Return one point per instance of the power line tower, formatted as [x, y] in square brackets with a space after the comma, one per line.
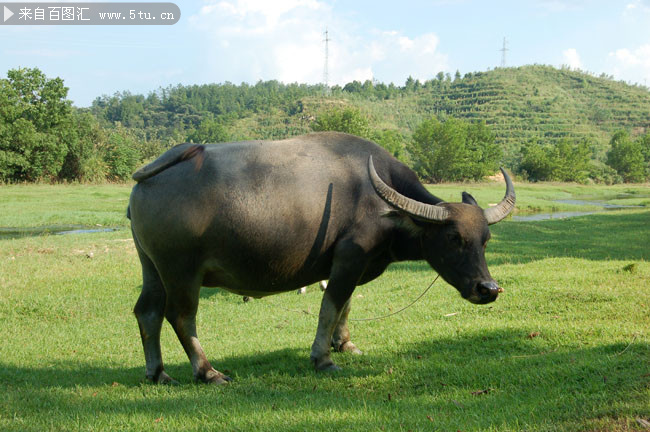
[503, 53]
[326, 68]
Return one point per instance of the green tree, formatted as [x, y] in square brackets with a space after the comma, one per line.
[120, 154]
[536, 163]
[391, 140]
[410, 84]
[34, 113]
[85, 140]
[566, 161]
[439, 149]
[627, 158]
[644, 142]
[453, 150]
[348, 120]
[353, 87]
[571, 161]
[209, 131]
[484, 153]
[40, 100]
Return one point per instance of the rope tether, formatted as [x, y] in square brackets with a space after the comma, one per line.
[373, 318]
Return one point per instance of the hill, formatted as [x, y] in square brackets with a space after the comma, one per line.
[520, 104]
[541, 102]
[544, 123]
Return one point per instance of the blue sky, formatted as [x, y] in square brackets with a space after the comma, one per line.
[251, 40]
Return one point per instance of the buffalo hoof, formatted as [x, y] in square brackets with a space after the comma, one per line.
[163, 379]
[325, 364]
[349, 347]
[331, 367]
[213, 376]
[223, 379]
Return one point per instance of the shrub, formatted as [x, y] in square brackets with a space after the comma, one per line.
[567, 161]
[120, 154]
[391, 140]
[348, 120]
[209, 131]
[84, 138]
[627, 157]
[453, 150]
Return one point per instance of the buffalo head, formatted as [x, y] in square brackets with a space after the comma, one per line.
[453, 236]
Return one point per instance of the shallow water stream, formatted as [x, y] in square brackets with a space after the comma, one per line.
[603, 203]
[553, 215]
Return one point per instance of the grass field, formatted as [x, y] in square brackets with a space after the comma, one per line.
[566, 347]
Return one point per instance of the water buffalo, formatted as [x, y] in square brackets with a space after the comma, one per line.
[258, 218]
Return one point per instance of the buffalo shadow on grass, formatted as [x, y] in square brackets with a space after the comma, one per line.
[433, 378]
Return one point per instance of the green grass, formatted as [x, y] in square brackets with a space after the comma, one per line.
[105, 205]
[541, 197]
[566, 347]
[46, 205]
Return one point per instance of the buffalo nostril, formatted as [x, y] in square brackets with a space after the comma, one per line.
[489, 289]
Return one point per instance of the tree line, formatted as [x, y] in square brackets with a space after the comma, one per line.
[44, 138]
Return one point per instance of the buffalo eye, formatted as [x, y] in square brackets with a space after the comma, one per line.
[487, 239]
[455, 238]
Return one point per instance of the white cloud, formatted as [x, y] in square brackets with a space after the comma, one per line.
[255, 40]
[418, 57]
[635, 7]
[256, 17]
[572, 58]
[632, 64]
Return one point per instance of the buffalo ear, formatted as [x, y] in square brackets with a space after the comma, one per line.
[406, 222]
[468, 199]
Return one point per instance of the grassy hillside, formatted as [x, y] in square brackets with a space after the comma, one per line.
[547, 103]
[520, 104]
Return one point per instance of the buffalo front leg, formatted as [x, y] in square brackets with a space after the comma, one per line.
[182, 305]
[332, 319]
[328, 317]
[341, 339]
[149, 310]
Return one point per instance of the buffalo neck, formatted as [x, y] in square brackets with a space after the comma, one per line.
[406, 246]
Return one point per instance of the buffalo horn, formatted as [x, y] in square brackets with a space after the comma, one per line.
[423, 211]
[501, 210]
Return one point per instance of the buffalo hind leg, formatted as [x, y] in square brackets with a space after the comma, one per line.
[149, 310]
[182, 305]
[341, 339]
